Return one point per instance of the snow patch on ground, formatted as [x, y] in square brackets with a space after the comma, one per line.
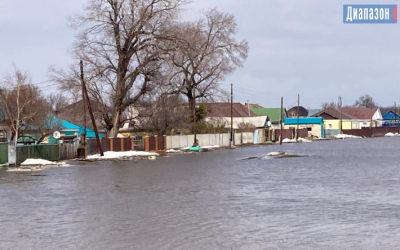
[117, 155]
[171, 151]
[294, 140]
[392, 135]
[343, 136]
[41, 162]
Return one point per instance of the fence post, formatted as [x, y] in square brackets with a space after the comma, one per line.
[146, 144]
[156, 141]
[165, 142]
[111, 144]
[132, 144]
[122, 144]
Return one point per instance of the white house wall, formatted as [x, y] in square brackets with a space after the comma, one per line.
[258, 121]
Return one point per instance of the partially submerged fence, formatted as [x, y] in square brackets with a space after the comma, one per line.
[183, 141]
[48, 152]
[3, 153]
[372, 132]
[68, 151]
[289, 134]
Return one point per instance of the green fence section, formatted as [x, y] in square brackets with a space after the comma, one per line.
[46, 152]
[3, 153]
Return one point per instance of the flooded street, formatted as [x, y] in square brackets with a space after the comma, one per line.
[341, 195]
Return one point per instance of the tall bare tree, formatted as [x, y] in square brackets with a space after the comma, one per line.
[118, 41]
[365, 101]
[203, 54]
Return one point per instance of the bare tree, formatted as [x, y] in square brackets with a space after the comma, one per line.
[118, 41]
[165, 113]
[365, 101]
[24, 105]
[331, 104]
[203, 54]
[57, 102]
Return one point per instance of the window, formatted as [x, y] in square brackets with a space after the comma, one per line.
[330, 126]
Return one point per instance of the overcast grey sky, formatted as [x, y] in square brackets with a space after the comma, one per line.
[296, 47]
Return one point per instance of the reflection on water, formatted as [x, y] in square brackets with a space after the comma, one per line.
[343, 195]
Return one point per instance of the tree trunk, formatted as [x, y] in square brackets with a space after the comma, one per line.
[115, 125]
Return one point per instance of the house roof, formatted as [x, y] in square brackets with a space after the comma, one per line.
[334, 113]
[274, 114]
[390, 115]
[360, 113]
[223, 109]
[302, 111]
[253, 105]
[304, 120]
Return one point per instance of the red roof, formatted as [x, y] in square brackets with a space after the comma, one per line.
[360, 113]
[223, 109]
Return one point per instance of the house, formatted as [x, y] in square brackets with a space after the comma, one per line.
[331, 118]
[367, 117]
[74, 113]
[273, 115]
[390, 118]
[314, 125]
[219, 113]
[303, 112]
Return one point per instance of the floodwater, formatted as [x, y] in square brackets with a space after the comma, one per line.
[341, 195]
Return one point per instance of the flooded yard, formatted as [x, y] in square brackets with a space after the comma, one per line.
[342, 194]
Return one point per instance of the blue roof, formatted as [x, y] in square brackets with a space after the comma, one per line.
[69, 125]
[390, 116]
[304, 120]
[89, 132]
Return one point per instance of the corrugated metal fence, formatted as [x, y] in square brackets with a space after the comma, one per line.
[43, 151]
[3, 153]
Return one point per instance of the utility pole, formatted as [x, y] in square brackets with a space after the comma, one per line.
[194, 116]
[280, 137]
[395, 115]
[231, 141]
[298, 116]
[341, 120]
[83, 137]
[91, 114]
[248, 107]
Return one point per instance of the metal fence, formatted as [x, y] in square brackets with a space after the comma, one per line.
[3, 153]
[43, 151]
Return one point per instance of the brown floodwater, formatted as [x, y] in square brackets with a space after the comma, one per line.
[341, 195]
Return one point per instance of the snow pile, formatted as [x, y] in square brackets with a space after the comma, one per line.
[171, 151]
[211, 147]
[41, 162]
[294, 140]
[392, 135]
[276, 153]
[116, 155]
[343, 136]
[304, 140]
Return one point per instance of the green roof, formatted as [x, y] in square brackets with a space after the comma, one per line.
[274, 114]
